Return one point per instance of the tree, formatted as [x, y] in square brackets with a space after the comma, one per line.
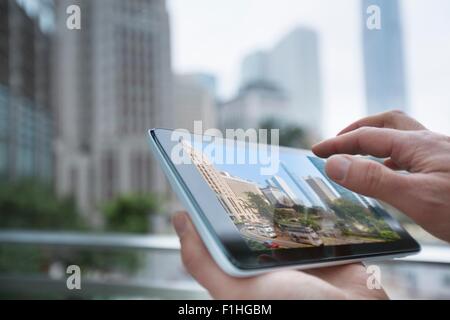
[257, 202]
[30, 204]
[130, 213]
[291, 135]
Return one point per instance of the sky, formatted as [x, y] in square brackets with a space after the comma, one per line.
[214, 36]
[297, 163]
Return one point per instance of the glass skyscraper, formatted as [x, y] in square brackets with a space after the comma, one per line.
[343, 192]
[26, 127]
[384, 64]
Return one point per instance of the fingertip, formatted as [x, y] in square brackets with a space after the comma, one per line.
[337, 167]
[319, 149]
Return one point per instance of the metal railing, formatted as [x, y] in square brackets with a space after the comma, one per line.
[29, 285]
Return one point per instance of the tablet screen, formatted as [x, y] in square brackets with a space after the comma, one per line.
[293, 205]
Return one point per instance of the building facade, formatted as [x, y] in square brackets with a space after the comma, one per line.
[194, 98]
[384, 61]
[280, 183]
[343, 192]
[277, 197]
[113, 83]
[256, 103]
[304, 189]
[293, 66]
[323, 191]
[26, 122]
[230, 191]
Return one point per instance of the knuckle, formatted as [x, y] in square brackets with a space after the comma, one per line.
[363, 131]
[393, 116]
[373, 177]
[396, 113]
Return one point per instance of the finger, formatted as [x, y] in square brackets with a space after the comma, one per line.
[369, 178]
[391, 164]
[378, 142]
[392, 119]
[196, 258]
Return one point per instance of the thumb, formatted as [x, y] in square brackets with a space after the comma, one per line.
[367, 177]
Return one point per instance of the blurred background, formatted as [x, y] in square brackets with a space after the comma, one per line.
[78, 184]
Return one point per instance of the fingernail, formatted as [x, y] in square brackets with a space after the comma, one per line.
[337, 167]
[179, 223]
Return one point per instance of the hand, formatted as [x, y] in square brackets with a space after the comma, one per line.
[341, 282]
[424, 194]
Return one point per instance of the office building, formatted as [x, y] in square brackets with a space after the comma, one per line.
[280, 183]
[277, 197]
[26, 127]
[384, 59]
[222, 184]
[255, 104]
[194, 98]
[338, 189]
[323, 191]
[293, 67]
[306, 193]
[114, 82]
[244, 190]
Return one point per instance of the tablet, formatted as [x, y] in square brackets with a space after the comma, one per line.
[259, 207]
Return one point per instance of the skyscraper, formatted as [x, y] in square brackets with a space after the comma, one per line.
[305, 190]
[384, 63]
[229, 191]
[293, 66]
[113, 83]
[280, 183]
[255, 104]
[343, 192]
[26, 127]
[194, 99]
[321, 189]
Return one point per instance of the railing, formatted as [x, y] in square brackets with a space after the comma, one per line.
[148, 284]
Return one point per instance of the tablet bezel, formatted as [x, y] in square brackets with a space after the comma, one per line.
[235, 248]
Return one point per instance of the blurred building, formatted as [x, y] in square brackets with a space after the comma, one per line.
[113, 83]
[319, 186]
[195, 99]
[26, 128]
[280, 183]
[255, 103]
[277, 197]
[304, 189]
[340, 190]
[293, 67]
[384, 63]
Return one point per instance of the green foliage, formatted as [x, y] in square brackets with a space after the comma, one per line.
[257, 202]
[28, 204]
[300, 209]
[130, 213]
[352, 214]
[291, 135]
[308, 222]
[283, 214]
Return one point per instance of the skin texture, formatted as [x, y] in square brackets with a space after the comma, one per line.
[424, 195]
